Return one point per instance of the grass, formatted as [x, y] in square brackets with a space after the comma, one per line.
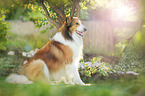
[122, 87]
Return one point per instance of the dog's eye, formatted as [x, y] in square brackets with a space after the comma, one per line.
[77, 23]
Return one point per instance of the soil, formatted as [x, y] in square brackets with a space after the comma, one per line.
[109, 59]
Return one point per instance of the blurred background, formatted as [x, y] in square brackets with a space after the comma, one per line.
[115, 33]
[114, 45]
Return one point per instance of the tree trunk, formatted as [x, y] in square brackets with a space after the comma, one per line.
[48, 15]
[59, 10]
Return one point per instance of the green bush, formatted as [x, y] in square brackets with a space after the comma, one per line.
[3, 30]
[19, 43]
[95, 67]
[10, 64]
[131, 60]
[26, 42]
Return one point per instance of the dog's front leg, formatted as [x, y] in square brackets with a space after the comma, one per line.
[77, 78]
[72, 75]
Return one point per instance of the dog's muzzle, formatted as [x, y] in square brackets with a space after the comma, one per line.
[81, 33]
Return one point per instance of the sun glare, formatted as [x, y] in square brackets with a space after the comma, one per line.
[123, 12]
[121, 9]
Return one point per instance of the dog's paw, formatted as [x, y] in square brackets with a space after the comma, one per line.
[87, 84]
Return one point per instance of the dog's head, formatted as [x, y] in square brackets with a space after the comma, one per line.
[72, 26]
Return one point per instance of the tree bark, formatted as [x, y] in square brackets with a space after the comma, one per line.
[59, 10]
[48, 15]
[78, 9]
[75, 6]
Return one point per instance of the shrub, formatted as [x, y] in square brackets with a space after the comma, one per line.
[10, 64]
[3, 30]
[95, 67]
[131, 60]
[26, 42]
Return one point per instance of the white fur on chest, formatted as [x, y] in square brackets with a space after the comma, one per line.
[76, 44]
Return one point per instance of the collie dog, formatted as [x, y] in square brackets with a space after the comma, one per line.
[58, 60]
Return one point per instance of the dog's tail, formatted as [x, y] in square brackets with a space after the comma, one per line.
[18, 79]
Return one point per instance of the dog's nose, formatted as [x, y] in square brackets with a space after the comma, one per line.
[85, 29]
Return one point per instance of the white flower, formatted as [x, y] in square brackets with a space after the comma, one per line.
[24, 53]
[36, 50]
[30, 54]
[25, 62]
[119, 72]
[131, 72]
[11, 53]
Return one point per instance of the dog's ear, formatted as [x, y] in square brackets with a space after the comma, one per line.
[68, 21]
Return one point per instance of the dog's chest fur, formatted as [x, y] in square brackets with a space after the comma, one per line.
[76, 44]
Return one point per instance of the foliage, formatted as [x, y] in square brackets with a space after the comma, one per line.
[7, 3]
[3, 30]
[139, 40]
[142, 3]
[95, 67]
[119, 48]
[131, 60]
[41, 22]
[19, 42]
[53, 11]
[9, 64]
[16, 12]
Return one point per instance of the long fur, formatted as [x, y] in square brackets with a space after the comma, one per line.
[58, 60]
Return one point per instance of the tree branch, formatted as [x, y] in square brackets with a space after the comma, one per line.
[78, 8]
[59, 10]
[73, 9]
[75, 6]
[141, 22]
[48, 15]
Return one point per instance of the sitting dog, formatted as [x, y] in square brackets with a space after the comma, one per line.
[58, 60]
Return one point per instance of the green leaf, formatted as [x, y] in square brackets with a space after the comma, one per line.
[43, 31]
